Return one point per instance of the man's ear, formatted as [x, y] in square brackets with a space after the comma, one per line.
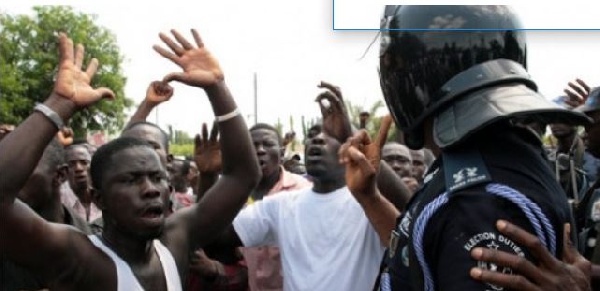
[61, 174]
[97, 198]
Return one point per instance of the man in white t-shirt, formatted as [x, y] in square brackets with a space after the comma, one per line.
[325, 239]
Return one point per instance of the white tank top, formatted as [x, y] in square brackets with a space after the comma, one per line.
[126, 281]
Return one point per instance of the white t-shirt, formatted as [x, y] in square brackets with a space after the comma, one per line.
[326, 241]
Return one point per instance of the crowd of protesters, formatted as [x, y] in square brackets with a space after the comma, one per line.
[238, 215]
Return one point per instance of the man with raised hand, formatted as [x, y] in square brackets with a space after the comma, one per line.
[139, 248]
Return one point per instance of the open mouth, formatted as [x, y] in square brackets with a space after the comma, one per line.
[314, 152]
[153, 212]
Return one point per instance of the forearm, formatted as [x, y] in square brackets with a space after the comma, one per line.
[141, 113]
[238, 156]
[205, 181]
[392, 187]
[21, 150]
[381, 213]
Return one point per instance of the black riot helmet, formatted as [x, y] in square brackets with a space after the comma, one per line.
[440, 58]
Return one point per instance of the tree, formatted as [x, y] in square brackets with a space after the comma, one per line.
[29, 60]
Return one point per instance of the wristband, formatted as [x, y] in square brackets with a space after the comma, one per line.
[50, 114]
[230, 115]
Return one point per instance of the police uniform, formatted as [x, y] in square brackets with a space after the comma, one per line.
[471, 88]
[468, 219]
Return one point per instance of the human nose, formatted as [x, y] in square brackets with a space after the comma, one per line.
[149, 188]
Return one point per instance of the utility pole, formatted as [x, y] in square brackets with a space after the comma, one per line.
[255, 98]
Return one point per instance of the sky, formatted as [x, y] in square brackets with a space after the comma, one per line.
[291, 46]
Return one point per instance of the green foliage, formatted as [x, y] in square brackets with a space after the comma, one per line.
[186, 150]
[29, 61]
[181, 137]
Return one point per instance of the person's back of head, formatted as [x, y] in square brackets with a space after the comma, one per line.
[438, 56]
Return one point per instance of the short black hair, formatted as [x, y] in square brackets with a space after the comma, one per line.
[102, 158]
[268, 127]
[164, 136]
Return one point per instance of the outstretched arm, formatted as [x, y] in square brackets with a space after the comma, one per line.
[336, 122]
[206, 219]
[362, 158]
[25, 237]
[157, 92]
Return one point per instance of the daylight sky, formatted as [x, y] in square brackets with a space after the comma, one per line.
[291, 46]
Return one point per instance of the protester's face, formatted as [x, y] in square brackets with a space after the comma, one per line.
[135, 193]
[177, 178]
[268, 150]
[321, 159]
[398, 157]
[153, 136]
[418, 163]
[78, 161]
[591, 137]
[561, 130]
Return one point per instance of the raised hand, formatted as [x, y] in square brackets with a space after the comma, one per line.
[335, 116]
[158, 92]
[207, 150]
[71, 81]
[288, 138]
[362, 158]
[200, 68]
[577, 92]
[65, 136]
[573, 273]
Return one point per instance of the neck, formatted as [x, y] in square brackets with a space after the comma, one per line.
[324, 186]
[133, 250]
[266, 183]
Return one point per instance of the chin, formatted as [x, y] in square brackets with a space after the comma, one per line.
[150, 233]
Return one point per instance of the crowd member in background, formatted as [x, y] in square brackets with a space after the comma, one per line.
[138, 248]
[179, 180]
[42, 193]
[78, 158]
[325, 240]
[460, 102]
[214, 267]
[399, 158]
[264, 263]
[419, 166]
[567, 159]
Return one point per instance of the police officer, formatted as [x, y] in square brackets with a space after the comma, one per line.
[463, 93]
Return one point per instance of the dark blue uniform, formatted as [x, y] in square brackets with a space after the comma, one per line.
[505, 156]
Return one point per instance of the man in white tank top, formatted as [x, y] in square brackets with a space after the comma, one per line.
[139, 248]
